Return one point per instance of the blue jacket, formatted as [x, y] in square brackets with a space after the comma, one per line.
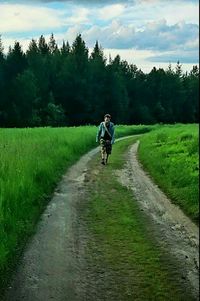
[101, 132]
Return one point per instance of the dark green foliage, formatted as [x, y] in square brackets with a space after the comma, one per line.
[84, 87]
[54, 113]
[24, 97]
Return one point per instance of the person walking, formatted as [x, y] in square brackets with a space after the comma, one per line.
[105, 136]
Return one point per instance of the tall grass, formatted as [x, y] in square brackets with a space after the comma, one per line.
[31, 163]
[170, 154]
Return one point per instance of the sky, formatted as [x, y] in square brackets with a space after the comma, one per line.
[146, 33]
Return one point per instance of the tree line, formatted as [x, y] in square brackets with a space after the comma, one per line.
[65, 86]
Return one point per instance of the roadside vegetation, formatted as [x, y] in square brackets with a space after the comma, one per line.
[31, 163]
[123, 256]
[171, 156]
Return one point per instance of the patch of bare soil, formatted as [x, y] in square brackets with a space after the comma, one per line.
[175, 232]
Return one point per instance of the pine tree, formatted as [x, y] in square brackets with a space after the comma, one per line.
[65, 49]
[97, 53]
[53, 48]
[97, 81]
[16, 61]
[24, 94]
[38, 64]
[190, 107]
[33, 56]
[79, 66]
[42, 45]
[179, 71]
[80, 53]
[117, 95]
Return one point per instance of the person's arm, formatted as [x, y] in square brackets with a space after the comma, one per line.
[113, 135]
[98, 132]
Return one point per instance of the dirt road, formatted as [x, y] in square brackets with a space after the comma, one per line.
[173, 228]
[52, 268]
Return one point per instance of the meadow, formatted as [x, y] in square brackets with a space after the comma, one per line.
[32, 160]
[171, 156]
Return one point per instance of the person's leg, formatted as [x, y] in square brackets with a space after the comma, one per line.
[108, 150]
[107, 158]
[103, 151]
[103, 154]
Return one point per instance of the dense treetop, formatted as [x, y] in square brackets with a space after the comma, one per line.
[64, 86]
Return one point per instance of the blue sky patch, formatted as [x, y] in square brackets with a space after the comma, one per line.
[161, 30]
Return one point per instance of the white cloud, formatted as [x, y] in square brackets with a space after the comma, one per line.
[110, 11]
[24, 42]
[177, 11]
[161, 36]
[189, 57]
[24, 18]
[27, 18]
[71, 33]
[154, 35]
[79, 15]
[173, 12]
[114, 35]
[141, 58]
[192, 44]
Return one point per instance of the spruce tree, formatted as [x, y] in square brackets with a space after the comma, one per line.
[53, 48]
[97, 82]
[43, 46]
[16, 61]
[65, 49]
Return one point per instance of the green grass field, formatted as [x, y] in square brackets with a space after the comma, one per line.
[31, 163]
[171, 155]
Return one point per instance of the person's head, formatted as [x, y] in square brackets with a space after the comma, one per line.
[107, 118]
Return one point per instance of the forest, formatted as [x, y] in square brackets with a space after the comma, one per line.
[66, 86]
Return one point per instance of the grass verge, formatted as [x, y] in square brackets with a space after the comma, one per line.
[171, 155]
